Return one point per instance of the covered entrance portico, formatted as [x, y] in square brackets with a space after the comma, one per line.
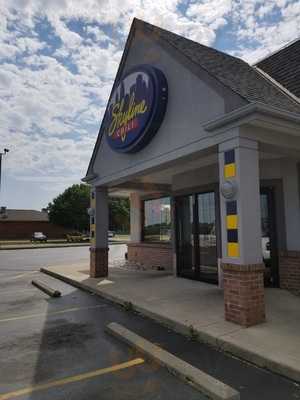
[233, 209]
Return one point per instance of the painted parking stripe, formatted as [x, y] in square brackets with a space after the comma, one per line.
[72, 379]
[51, 313]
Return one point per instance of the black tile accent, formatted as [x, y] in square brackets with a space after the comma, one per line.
[232, 236]
[231, 207]
[229, 157]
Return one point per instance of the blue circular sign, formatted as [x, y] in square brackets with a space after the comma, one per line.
[136, 109]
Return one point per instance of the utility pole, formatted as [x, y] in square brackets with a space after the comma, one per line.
[5, 151]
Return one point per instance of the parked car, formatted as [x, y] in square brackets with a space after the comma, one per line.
[111, 234]
[39, 237]
[77, 237]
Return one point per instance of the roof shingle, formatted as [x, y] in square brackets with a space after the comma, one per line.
[230, 71]
[284, 67]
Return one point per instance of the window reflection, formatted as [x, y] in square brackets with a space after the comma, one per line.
[157, 220]
[207, 232]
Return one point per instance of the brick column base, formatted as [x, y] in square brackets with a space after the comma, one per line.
[289, 271]
[244, 294]
[98, 262]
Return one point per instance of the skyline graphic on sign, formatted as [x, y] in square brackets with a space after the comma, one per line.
[129, 110]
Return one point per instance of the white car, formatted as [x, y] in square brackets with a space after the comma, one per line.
[111, 234]
[39, 237]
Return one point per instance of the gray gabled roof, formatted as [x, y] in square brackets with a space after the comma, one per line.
[231, 71]
[284, 66]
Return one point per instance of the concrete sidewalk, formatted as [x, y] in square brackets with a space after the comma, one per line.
[182, 304]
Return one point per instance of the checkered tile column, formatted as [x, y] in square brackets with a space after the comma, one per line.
[241, 232]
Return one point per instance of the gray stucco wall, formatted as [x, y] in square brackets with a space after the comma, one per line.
[191, 103]
[286, 170]
[196, 178]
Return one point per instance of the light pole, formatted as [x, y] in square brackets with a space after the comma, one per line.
[5, 151]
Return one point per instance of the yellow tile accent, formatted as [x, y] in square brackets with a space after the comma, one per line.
[233, 250]
[232, 221]
[229, 170]
[71, 379]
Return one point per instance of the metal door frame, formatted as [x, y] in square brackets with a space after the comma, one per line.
[195, 230]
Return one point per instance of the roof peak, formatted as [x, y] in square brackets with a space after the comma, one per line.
[156, 27]
[233, 72]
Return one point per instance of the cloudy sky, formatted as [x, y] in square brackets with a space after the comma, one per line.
[58, 60]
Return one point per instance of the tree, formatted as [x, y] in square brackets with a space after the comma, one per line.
[69, 209]
[119, 214]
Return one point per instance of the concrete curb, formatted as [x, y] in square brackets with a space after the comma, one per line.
[224, 345]
[46, 289]
[205, 383]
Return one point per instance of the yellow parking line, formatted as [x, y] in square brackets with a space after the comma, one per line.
[71, 379]
[51, 313]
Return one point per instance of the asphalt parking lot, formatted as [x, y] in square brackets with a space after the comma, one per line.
[56, 348]
[56, 342]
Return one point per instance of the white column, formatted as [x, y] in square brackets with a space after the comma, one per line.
[291, 204]
[241, 232]
[101, 218]
[99, 242]
[135, 218]
[243, 176]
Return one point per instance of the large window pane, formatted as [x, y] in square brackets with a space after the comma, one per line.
[157, 220]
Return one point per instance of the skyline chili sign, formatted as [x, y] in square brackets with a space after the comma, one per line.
[136, 109]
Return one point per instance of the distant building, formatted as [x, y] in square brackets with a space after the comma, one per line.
[21, 224]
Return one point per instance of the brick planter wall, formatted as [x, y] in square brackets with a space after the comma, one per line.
[151, 255]
[289, 271]
[98, 262]
[244, 294]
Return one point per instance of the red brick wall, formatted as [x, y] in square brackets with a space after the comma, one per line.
[98, 262]
[151, 255]
[244, 294]
[289, 271]
[14, 230]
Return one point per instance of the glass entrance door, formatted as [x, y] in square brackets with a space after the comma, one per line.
[208, 260]
[185, 207]
[268, 240]
[196, 237]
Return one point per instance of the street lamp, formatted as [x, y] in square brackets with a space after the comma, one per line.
[5, 151]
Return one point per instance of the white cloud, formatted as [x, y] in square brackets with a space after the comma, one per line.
[55, 81]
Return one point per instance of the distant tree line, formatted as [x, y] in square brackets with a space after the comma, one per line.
[69, 209]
